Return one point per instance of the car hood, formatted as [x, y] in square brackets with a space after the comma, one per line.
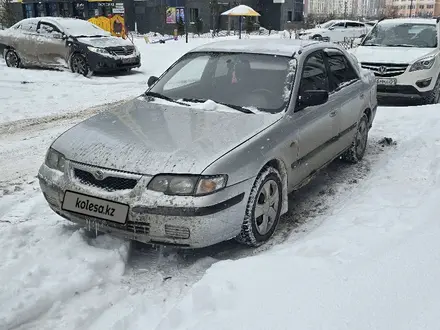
[313, 31]
[103, 42]
[396, 55]
[149, 138]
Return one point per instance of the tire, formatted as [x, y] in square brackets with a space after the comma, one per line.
[359, 145]
[317, 37]
[12, 59]
[255, 230]
[433, 97]
[78, 64]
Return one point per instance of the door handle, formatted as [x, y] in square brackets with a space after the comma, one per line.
[333, 113]
[362, 96]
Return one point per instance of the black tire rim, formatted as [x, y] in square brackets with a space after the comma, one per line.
[79, 65]
[361, 138]
[12, 59]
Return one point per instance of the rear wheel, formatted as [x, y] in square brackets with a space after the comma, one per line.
[359, 145]
[263, 209]
[12, 59]
[78, 64]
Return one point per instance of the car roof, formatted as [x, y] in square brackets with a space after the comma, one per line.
[267, 46]
[403, 20]
[51, 19]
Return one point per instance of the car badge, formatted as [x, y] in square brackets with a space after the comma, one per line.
[382, 69]
[99, 175]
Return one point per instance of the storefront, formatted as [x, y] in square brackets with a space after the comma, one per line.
[65, 8]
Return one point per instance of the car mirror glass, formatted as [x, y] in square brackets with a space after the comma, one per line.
[152, 80]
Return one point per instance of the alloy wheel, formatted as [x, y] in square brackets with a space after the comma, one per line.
[266, 207]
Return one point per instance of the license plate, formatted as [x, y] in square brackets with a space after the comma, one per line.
[129, 60]
[95, 207]
[386, 81]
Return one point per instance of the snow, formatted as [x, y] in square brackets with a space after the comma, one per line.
[358, 248]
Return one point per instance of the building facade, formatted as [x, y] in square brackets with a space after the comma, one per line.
[149, 15]
[66, 8]
[413, 8]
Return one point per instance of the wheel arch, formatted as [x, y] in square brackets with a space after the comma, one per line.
[282, 169]
[369, 114]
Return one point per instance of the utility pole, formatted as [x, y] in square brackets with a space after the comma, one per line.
[185, 14]
[410, 8]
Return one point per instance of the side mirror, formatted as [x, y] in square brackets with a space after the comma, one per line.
[331, 28]
[57, 35]
[313, 97]
[152, 80]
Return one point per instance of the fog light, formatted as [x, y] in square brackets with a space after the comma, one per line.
[423, 83]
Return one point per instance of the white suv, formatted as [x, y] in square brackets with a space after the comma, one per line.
[404, 53]
[336, 31]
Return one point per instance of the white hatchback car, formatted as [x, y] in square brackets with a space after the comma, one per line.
[404, 55]
[336, 31]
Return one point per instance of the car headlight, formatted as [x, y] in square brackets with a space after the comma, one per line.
[187, 185]
[55, 160]
[423, 64]
[97, 50]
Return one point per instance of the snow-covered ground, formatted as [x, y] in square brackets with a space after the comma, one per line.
[357, 250]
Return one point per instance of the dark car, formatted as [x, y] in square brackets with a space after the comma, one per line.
[59, 43]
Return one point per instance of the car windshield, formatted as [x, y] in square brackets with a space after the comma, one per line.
[261, 82]
[395, 34]
[79, 27]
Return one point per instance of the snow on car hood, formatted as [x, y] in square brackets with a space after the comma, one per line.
[396, 55]
[313, 31]
[103, 42]
[149, 138]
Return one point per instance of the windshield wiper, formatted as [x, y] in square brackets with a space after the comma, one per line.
[374, 45]
[91, 36]
[232, 106]
[163, 97]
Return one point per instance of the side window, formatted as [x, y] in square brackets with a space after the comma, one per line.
[340, 25]
[29, 26]
[354, 25]
[190, 73]
[47, 29]
[342, 73]
[314, 76]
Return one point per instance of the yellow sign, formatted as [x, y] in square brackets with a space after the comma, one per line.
[115, 25]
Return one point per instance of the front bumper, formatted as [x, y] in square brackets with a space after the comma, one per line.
[105, 63]
[153, 218]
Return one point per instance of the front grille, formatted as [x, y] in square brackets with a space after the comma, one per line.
[177, 231]
[110, 183]
[385, 69]
[135, 227]
[121, 51]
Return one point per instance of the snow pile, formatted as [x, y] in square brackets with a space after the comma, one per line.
[372, 264]
[46, 260]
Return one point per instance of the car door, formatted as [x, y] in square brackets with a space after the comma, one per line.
[317, 126]
[355, 30]
[25, 41]
[337, 32]
[52, 50]
[346, 90]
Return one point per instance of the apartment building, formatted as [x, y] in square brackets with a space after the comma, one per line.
[414, 8]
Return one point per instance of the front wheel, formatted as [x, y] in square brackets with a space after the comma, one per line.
[263, 209]
[11, 58]
[433, 97]
[359, 145]
[78, 64]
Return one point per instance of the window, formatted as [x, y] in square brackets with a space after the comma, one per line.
[314, 75]
[289, 16]
[340, 25]
[29, 25]
[191, 72]
[29, 10]
[47, 29]
[355, 25]
[193, 14]
[342, 72]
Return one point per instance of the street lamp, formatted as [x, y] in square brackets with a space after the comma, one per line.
[410, 8]
[345, 9]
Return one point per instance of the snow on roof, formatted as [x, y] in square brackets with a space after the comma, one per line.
[406, 20]
[281, 47]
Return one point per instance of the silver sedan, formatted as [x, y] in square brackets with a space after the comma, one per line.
[211, 150]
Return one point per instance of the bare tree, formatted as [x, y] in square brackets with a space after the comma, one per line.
[391, 11]
[7, 16]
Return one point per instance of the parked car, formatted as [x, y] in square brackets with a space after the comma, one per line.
[213, 147]
[336, 31]
[60, 43]
[403, 53]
